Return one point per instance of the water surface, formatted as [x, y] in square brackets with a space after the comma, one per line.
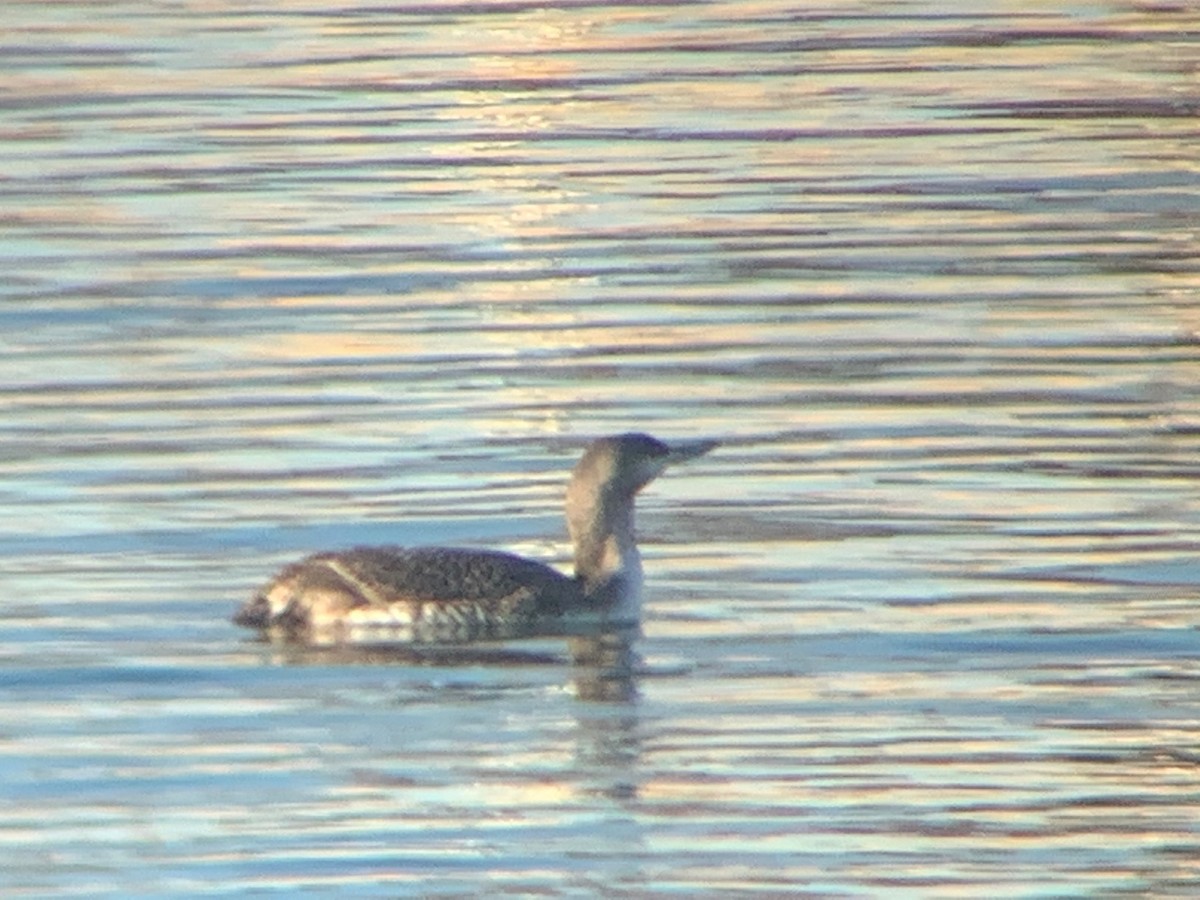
[301, 277]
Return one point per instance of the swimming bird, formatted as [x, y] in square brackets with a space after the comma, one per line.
[449, 594]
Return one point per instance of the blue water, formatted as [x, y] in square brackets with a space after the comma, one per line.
[303, 277]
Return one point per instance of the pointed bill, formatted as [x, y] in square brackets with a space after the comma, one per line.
[681, 451]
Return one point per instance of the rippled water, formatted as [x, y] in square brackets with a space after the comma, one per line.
[303, 276]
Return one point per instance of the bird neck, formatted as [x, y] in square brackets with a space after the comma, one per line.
[607, 562]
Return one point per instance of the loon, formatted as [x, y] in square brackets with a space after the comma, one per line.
[449, 594]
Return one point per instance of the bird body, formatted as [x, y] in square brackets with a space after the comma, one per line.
[445, 594]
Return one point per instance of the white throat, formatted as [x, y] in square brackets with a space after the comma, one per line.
[606, 556]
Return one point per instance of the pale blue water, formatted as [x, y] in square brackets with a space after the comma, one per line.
[303, 277]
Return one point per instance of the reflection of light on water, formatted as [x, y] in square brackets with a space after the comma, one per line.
[288, 279]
